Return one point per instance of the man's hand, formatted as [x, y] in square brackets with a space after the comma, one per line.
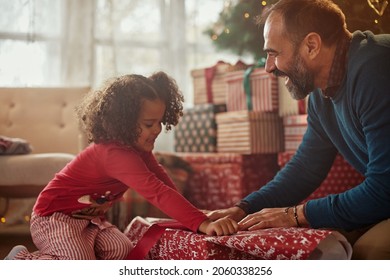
[273, 217]
[223, 226]
[235, 213]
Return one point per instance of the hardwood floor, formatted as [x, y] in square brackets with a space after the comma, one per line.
[18, 235]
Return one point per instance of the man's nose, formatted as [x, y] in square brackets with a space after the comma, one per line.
[270, 64]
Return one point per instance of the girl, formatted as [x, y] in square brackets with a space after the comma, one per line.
[122, 121]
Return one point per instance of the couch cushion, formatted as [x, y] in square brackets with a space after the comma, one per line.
[45, 117]
[26, 175]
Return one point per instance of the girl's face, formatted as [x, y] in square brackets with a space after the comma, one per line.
[151, 115]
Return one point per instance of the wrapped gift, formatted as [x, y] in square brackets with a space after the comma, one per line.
[294, 128]
[197, 129]
[341, 177]
[209, 84]
[253, 89]
[287, 105]
[219, 180]
[249, 132]
[166, 240]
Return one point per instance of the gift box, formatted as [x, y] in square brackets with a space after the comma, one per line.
[156, 239]
[341, 177]
[209, 84]
[197, 129]
[249, 132]
[219, 180]
[253, 90]
[294, 128]
[288, 106]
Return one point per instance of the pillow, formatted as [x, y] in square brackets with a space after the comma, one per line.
[14, 146]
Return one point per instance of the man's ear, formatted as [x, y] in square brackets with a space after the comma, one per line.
[312, 44]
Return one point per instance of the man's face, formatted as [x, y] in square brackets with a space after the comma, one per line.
[284, 59]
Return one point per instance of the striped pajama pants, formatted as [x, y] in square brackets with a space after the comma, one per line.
[61, 237]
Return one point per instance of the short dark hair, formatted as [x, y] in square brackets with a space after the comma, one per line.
[304, 16]
[111, 112]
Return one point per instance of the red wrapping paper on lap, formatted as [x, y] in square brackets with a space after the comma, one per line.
[274, 243]
[180, 244]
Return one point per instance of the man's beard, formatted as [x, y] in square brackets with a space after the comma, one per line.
[301, 81]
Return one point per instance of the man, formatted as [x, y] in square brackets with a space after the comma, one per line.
[347, 78]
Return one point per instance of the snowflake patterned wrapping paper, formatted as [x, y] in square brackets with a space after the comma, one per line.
[196, 131]
[219, 180]
[267, 244]
[341, 177]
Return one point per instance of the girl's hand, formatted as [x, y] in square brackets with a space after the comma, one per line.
[223, 226]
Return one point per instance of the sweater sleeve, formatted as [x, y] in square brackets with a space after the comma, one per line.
[369, 103]
[128, 167]
[301, 175]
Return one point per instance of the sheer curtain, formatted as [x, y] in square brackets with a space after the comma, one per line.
[77, 42]
[73, 42]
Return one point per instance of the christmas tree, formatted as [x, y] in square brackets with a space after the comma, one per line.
[236, 29]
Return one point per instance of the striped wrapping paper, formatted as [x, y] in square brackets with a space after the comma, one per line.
[217, 90]
[263, 93]
[249, 132]
[294, 129]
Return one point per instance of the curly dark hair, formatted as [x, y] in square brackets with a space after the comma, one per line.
[111, 112]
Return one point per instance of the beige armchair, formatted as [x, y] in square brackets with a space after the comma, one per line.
[45, 117]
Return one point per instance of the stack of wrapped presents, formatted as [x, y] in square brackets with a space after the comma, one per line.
[243, 127]
[341, 177]
[236, 112]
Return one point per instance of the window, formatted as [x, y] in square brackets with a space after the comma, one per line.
[78, 43]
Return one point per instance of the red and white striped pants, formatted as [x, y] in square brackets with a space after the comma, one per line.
[62, 237]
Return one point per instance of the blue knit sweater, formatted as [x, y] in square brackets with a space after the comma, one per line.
[355, 123]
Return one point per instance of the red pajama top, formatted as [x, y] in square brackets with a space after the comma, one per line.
[100, 175]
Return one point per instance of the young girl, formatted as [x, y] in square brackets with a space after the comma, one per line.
[122, 121]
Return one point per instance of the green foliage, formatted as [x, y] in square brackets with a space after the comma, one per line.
[236, 29]
[241, 35]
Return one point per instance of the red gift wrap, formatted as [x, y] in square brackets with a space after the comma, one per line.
[209, 84]
[179, 244]
[219, 180]
[341, 177]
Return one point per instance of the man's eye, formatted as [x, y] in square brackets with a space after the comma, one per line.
[148, 125]
[271, 54]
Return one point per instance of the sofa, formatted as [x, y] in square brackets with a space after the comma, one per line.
[44, 121]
